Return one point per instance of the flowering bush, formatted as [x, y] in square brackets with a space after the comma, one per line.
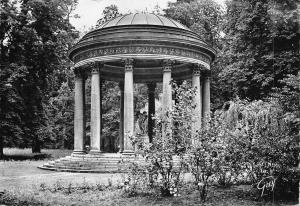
[208, 158]
[163, 159]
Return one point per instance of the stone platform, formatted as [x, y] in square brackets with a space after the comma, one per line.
[96, 163]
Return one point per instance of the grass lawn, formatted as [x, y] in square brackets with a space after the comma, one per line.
[20, 171]
[22, 183]
[26, 154]
[112, 195]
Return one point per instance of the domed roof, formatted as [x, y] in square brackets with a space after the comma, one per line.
[143, 19]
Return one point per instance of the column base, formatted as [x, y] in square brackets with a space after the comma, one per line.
[96, 151]
[79, 152]
[128, 152]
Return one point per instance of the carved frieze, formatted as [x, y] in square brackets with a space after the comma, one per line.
[140, 50]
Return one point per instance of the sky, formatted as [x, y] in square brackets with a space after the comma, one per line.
[90, 10]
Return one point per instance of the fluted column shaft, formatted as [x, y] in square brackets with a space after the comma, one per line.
[101, 114]
[206, 96]
[197, 99]
[128, 106]
[167, 87]
[79, 112]
[95, 109]
[121, 129]
[167, 97]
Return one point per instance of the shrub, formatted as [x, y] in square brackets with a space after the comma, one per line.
[163, 159]
[244, 140]
[265, 141]
[208, 157]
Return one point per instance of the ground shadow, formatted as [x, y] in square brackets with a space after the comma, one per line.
[22, 157]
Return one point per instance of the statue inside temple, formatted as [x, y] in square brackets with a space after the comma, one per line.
[141, 124]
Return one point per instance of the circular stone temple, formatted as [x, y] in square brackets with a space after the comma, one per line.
[133, 48]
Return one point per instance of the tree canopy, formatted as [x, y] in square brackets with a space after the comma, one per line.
[261, 47]
[35, 38]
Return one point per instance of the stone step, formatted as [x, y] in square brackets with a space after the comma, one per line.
[84, 163]
[104, 162]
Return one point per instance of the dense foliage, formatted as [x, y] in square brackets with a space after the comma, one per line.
[109, 13]
[242, 142]
[261, 47]
[35, 38]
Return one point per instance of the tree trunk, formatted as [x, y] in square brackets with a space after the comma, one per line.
[36, 146]
[1, 147]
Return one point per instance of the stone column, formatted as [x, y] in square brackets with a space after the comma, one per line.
[167, 87]
[128, 106]
[167, 96]
[101, 118]
[206, 95]
[151, 109]
[79, 111]
[121, 130]
[197, 99]
[95, 109]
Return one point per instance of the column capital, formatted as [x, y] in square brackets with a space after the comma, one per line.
[197, 69]
[167, 65]
[207, 74]
[95, 67]
[80, 72]
[202, 67]
[128, 64]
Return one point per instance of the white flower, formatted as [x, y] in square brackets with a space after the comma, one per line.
[200, 184]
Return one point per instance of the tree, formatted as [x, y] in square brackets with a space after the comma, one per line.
[206, 19]
[261, 46]
[203, 17]
[34, 45]
[60, 112]
[10, 106]
[109, 12]
[110, 116]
